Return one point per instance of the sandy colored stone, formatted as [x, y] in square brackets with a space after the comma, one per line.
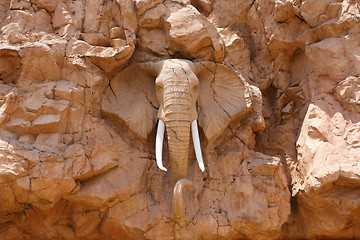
[201, 31]
[47, 141]
[87, 224]
[11, 169]
[324, 140]
[154, 16]
[44, 58]
[162, 230]
[348, 93]
[265, 183]
[144, 5]
[112, 184]
[107, 58]
[22, 21]
[313, 15]
[11, 232]
[283, 10]
[9, 60]
[91, 21]
[51, 180]
[77, 143]
[96, 39]
[233, 45]
[117, 32]
[62, 16]
[46, 123]
[320, 53]
[137, 212]
[129, 17]
[204, 227]
[67, 90]
[100, 191]
[103, 156]
[18, 125]
[113, 230]
[81, 167]
[47, 4]
[229, 13]
[118, 42]
[32, 157]
[200, 41]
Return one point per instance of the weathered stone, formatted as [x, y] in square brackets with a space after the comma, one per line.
[49, 5]
[283, 10]
[322, 144]
[114, 185]
[81, 166]
[31, 157]
[87, 224]
[9, 62]
[46, 123]
[47, 141]
[96, 39]
[117, 32]
[20, 5]
[162, 230]
[70, 167]
[118, 42]
[36, 69]
[348, 93]
[11, 232]
[154, 17]
[11, 169]
[320, 53]
[107, 58]
[145, 5]
[62, 16]
[310, 13]
[154, 40]
[256, 181]
[230, 13]
[18, 125]
[233, 45]
[194, 40]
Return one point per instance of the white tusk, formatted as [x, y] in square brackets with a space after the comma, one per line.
[159, 144]
[196, 141]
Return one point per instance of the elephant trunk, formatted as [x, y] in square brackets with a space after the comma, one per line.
[179, 111]
[178, 200]
[178, 133]
[178, 116]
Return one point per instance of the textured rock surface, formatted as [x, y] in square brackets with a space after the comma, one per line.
[71, 170]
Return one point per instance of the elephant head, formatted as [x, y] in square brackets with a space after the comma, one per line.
[178, 94]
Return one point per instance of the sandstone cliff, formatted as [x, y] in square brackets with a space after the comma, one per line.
[277, 86]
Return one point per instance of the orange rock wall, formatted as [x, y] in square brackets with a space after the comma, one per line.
[287, 169]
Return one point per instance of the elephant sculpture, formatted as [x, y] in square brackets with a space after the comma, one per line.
[179, 95]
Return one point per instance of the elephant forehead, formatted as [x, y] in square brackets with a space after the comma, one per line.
[177, 61]
[186, 65]
[177, 71]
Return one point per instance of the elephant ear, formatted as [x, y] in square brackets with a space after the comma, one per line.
[130, 97]
[223, 97]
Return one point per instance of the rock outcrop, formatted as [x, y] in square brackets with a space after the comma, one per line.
[286, 166]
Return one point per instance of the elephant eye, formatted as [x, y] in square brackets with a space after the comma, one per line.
[159, 88]
[195, 88]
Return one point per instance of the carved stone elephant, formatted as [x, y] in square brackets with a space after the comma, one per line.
[177, 93]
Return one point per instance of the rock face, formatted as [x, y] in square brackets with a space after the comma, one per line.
[276, 92]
